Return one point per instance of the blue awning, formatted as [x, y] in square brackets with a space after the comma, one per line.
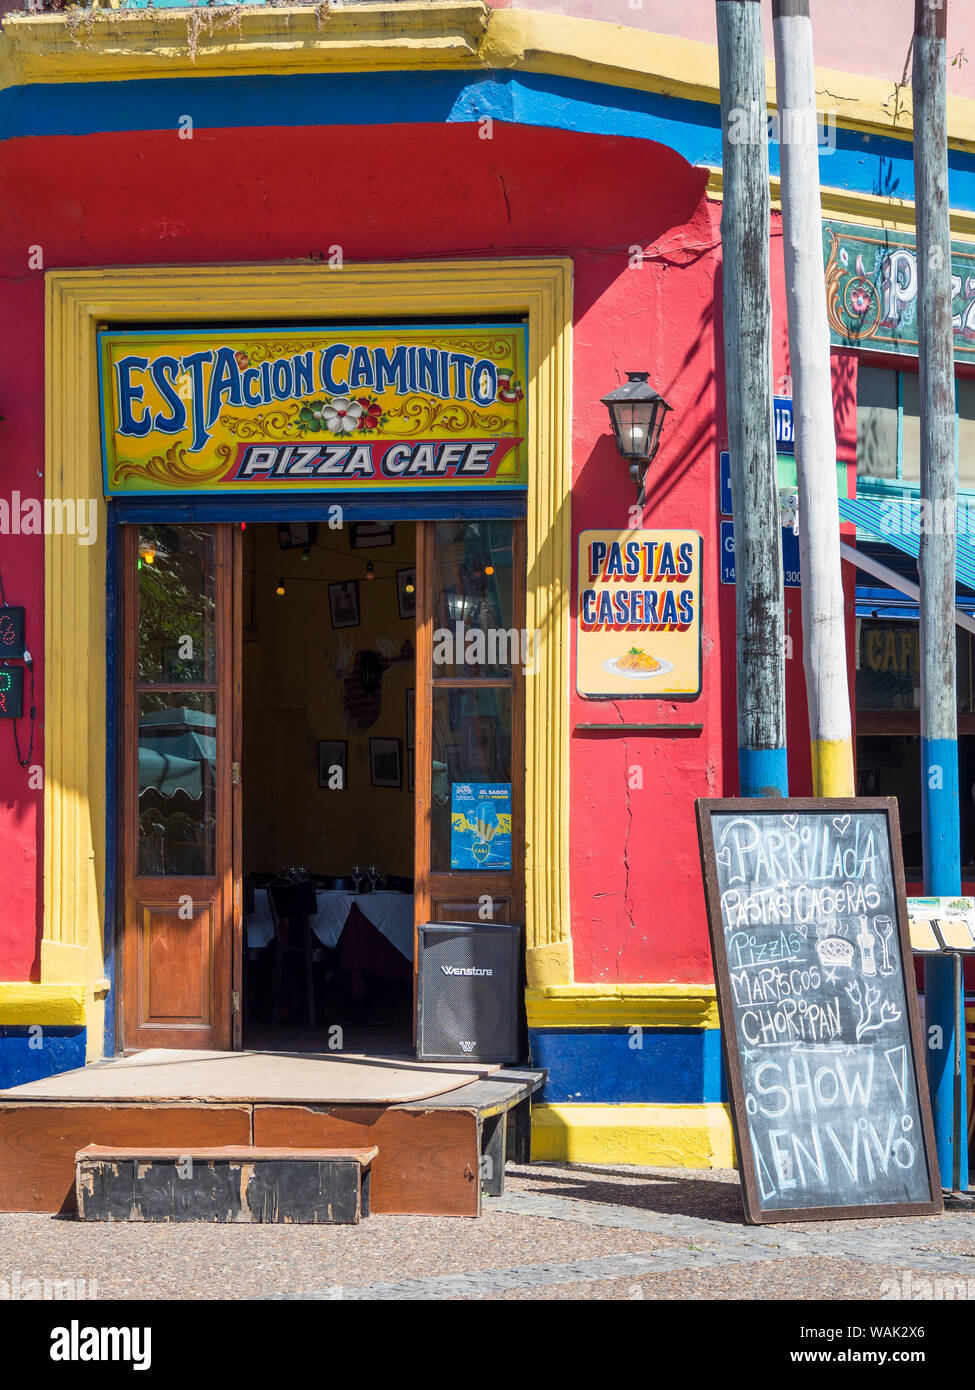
[897, 522]
[167, 776]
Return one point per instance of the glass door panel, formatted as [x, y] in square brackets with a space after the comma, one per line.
[180, 914]
[471, 660]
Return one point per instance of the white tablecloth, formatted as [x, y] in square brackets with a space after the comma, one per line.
[390, 913]
[259, 923]
[329, 921]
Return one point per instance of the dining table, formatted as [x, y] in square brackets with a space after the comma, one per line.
[389, 911]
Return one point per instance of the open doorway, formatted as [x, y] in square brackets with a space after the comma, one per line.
[328, 775]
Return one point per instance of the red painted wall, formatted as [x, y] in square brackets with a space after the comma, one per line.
[637, 904]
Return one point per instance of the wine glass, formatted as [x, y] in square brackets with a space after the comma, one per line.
[372, 875]
[884, 928]
[357, 876]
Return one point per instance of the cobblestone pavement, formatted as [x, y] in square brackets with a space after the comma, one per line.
[559, 1232]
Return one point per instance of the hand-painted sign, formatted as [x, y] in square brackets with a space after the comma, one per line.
[871, 290]
[480, 826]
[639, 614]
[304, 409]
[818, 1007]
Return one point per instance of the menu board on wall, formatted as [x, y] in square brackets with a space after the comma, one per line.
[638, 614]
[819, 1018]
[305, 409]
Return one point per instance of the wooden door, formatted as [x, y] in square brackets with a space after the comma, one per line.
[180, 933]
[470, 714]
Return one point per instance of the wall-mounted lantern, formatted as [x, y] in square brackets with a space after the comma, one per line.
[637, 413]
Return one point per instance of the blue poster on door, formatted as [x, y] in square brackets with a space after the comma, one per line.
[480, 826]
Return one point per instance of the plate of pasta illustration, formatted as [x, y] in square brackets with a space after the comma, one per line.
[638, 665]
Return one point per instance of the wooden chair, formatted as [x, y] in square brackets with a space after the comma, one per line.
[293, 904]
[255, 959]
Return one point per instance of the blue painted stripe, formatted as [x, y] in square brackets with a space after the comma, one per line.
[113, 706]
[30, 1054]
[394, 504]
[624, 1066]
[942, 877]
[763, 771]
[880, 165]
[940, 816]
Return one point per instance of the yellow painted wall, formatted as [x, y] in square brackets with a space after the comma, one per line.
[293, 697]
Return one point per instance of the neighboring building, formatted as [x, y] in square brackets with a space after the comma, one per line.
[275, 172]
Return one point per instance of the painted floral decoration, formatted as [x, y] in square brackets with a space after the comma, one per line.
[341, 415]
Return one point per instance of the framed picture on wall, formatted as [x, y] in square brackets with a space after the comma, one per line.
[386, 762]
[406, 592]
[333, 763]
[411, 769]
[370, 535]
[343, 604]
[411, 718]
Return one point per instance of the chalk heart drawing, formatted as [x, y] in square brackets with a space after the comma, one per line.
[842, 823]
[791, 821]
[723, 856]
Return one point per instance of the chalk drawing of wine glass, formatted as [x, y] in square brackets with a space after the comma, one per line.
[884, 928]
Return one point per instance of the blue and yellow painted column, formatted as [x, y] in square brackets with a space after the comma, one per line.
[634, 1076]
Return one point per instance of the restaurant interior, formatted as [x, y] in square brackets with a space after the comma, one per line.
[328, 773]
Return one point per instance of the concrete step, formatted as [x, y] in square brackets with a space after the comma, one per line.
[233, 1184]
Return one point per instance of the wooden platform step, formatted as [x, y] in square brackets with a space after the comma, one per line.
[435, 1158]
[232, 1183]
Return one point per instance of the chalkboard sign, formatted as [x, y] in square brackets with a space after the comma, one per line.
[818, 1008]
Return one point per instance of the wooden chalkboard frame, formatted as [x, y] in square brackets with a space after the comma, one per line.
[755, 1214]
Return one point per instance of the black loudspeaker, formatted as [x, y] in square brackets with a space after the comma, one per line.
[468, 977]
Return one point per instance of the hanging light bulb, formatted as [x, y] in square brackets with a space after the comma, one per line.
[147, 552]
[280, 589]
[370, 570]
[409, 586]
[488, 569]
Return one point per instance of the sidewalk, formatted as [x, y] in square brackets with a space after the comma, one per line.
[559, 1232]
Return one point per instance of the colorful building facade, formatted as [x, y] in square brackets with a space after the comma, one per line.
[166, 170]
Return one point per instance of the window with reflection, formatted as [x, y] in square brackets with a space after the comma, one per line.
[177, 733]
[177, 783]
[177, 598]
[888, 743]
[474, 612]
[471, 744]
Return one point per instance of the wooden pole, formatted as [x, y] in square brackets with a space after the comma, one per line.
[936, 561]
[823, 618]
[745, 228]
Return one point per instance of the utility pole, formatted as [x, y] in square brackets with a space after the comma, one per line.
[747, 306]
[936, 566]
[823, 619]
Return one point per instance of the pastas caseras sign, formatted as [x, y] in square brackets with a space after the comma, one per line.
[308, 409]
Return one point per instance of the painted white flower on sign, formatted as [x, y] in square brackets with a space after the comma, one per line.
[341, 415]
